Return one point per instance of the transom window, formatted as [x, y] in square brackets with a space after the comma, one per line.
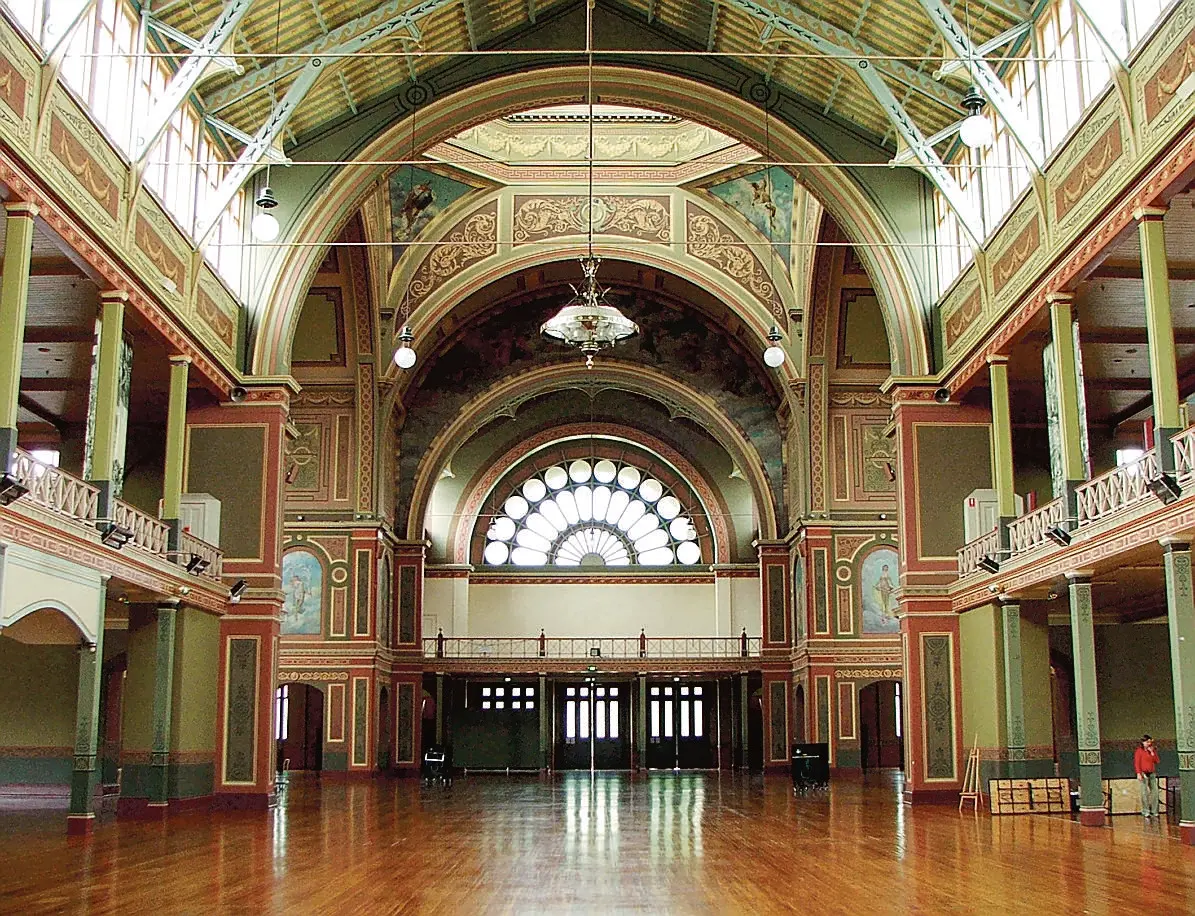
[592, 513]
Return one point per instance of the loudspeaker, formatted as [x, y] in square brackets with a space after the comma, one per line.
[942, 395]
[237, 394]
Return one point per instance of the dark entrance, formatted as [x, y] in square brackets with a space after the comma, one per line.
[881, 742]
[680, 725]
[300, 727]
[593, 726]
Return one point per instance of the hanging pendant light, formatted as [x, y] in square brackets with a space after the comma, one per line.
[405, 356]
[976, 129]
[587, 321]
[265, 224]
[773, 356]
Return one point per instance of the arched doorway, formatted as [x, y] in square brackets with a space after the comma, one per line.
[881, 731]
[299, 727]
[799, 714]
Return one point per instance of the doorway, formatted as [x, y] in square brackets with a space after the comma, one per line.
[593, 726]
[299, 727]
[680, 730]
[881, 732]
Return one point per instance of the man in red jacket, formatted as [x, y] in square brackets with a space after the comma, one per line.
[1145, 762]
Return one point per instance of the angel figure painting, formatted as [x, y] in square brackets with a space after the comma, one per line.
[303, 587]
[877, 583]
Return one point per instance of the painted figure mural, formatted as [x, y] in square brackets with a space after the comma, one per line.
[303, 586]
[416, 197]
[765, 198]
[877, 582]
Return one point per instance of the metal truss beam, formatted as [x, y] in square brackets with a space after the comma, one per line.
[204, 52]
[779, 16]
[712, 39]
[1006, 37]
[383, 22]
[989, 83]
[62, 27]
[390, 17]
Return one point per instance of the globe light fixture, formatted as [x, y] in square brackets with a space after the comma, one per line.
[265, 224]
[404, 356]
[773, 356]
[976, 129]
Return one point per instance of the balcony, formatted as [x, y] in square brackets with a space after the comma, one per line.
[578, 654]
[1117, 495]
[67, 498]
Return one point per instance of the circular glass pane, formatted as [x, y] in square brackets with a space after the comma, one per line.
[580, 471]
[604, 471]
[650, 541]
[525, 556]
[503, 529]
[651, 489]
[688, 553]
[668, 507]
[496, 553]
[556, 477]
[660, 557]
[534, 489]
[515, 506]
[682, 529]
[629, 477]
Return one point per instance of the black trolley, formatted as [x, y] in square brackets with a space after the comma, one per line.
[437, 766]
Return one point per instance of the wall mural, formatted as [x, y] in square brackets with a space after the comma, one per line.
[303, 588]
[417, 196]
[877, 582]
[765, 199]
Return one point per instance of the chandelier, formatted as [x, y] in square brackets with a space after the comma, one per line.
[587, 321]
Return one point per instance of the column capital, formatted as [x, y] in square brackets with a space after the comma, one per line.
[1079, 576]
[1061, 296]
[21, 208]
[180, 360]
[1008, 601]
[997, 359]
[1174, 545]
[114, 295]
[1150, 213]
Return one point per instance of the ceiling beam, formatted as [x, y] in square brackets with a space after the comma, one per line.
[364, 31]
[1013, 9]
[471, 27]
[1181, 271]
[58, 335]
[712, 38]
[982, 75]
[1008, 35]
[187, 77]
[31, 406]
[54, 384]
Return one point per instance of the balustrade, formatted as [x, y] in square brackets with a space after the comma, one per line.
[189, 546]
[53, 488]
[1120, 487]
[584, 647]
[149, 534]
[1029, 530]
[983, 546]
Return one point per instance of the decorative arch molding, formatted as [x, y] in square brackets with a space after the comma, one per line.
[505, 398]
[86, 628]
[286, 277]
[469, 509]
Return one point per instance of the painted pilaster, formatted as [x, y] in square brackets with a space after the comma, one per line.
[1159, 326]
[1014, 688]
[176, 436]
[545, 726]
[1180, 601]
[1070, 431]
[1002, 466]
[641, 725]
[1087, 712]
[85, 778]
[159, 759]
[14, 298]
[106, 450]
[744, 700]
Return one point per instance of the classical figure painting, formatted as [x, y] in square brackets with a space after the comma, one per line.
[766, 199]
[303, 586]
[416, 197]
[877, 582]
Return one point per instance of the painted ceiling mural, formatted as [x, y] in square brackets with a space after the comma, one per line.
[686, 345]
[765, 199]
[417, 196]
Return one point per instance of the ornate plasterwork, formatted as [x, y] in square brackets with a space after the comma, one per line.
[472, 239]
[711, 240]
[674, 142]
[549, 216]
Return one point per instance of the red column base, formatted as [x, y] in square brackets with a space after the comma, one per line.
[1092, 817]
[80, 824]
[1186, 832]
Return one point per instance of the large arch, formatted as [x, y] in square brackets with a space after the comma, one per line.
[504, 400]
[287, 275]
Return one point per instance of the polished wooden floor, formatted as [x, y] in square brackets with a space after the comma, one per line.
[684, 843]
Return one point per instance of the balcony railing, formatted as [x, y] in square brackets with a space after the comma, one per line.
[983, 546]
[1029, 530]
[1120, 487]
[149, 534]
[1184, 453]
[189, 546]
[53, 488]
[583, 647]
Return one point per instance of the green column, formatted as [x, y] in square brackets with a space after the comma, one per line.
[545, 726]
[641, 731]
[1014, 688]
[1087, 712]
[176, 429]
[744, 700]
[1002, 466]
[159, 758]
[14, 297]
[440, 709]
[1070, 431]
[1163, 366]
[85, 778]
[103, 452]
[1181, 607]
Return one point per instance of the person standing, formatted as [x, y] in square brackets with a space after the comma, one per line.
[1145, 762]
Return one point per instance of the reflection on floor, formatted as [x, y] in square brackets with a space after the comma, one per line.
[663, 843]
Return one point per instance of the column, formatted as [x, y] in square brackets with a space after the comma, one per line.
[1002, 465]
[14, 297]
[1163, 366]
[1014, 687]
[176, 431]
[85, 778]
[545, 726]
[744, 701]
[1070, 429]
[641, 725]
[159, 757]
[107, 392]
[440, 709]
[1181, 612]
[1087, 712]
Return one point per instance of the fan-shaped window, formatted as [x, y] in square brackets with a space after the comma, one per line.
[592, 513]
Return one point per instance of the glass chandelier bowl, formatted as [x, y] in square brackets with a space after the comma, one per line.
[587, 321]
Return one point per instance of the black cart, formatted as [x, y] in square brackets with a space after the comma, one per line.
[810, 767]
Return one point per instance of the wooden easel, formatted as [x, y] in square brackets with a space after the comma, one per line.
[971, 791]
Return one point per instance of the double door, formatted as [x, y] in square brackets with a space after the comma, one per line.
[593, 728]
[681, 724]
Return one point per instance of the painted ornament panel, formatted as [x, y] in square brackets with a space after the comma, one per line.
[417, 196]
[303, 587]
[765, 198]
[877, 582]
